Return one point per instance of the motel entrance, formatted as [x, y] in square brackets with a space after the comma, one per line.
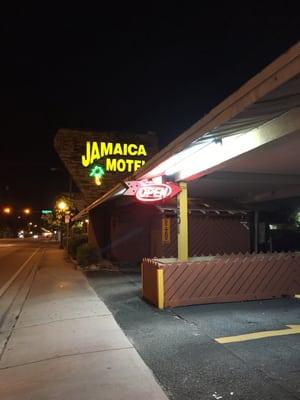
[265, 183]
[245, 150]
[237, 173]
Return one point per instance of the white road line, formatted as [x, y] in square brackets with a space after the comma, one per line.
[9, 282]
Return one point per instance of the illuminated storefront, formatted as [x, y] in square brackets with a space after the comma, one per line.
[243, 155]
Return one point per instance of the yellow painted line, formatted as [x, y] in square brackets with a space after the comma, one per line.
[160, 288]
[293, 330]
[10, 281]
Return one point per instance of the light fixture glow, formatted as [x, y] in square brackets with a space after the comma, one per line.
[198, 158]
[184, 157]
[217, 153]
[62, 205]
[172, 165]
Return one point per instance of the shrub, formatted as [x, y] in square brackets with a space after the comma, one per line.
[75, 242]
[86, 255]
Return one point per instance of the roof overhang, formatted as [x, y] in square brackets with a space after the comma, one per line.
[263, 111]
[257, 102]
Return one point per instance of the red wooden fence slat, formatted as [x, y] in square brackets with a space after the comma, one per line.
[225, 278]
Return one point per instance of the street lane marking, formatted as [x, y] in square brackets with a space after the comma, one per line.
[9, 282]
[293, 330]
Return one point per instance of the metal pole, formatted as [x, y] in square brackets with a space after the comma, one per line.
[61, 235]
[68, 233]
[70, 202]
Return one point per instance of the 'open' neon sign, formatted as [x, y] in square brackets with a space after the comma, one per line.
[153, 192]
[150, 192]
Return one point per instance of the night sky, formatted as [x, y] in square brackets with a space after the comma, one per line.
[120, 69]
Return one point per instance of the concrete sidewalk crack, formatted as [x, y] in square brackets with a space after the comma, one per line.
[65, 356]
[60, 320]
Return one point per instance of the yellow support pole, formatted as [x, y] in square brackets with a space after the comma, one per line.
[182, 223]
[142, 276]
[160, 289]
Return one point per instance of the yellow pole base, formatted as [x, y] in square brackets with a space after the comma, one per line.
[160, 289]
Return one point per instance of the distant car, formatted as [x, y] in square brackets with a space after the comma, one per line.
[47, 235]
[21, 236]
[35, 236]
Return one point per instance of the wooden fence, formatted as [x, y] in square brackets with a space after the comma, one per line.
[219, 279]
[210, 234]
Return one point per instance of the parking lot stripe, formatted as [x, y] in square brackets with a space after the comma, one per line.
[292, 330]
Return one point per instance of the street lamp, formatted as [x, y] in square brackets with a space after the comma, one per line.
[27, 211]
[62, 205]
[7, 210]
[63, 208]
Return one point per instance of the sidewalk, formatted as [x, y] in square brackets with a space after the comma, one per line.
[67, 345]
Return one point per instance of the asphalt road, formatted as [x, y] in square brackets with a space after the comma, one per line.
[13, 255]
[179, 344]
[18, 259]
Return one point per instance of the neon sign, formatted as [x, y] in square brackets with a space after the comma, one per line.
[150, 192]
[98, 150]
[97, 172]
